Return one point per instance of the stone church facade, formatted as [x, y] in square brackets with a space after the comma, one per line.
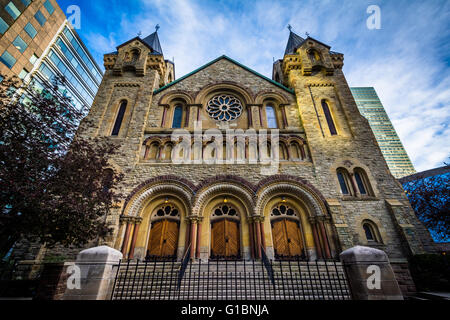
[330, 190]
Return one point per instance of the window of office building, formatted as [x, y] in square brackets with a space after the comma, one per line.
[26, 2]
[23, 73]
[33, 59]
[12, 10]
[8, 59]
[49, 7]
[40, 18]
[20, 44]
[30, 30]
[3, 26]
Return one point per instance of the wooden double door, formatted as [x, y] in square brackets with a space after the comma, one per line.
[163, 239]
[225, 239]
[287, 238]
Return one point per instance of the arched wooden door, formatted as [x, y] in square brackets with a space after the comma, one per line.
[287, 239]
[163, 239]
[225, 239]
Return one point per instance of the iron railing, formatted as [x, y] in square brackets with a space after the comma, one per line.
[231, 280]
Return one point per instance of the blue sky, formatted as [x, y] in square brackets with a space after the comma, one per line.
[407, 60]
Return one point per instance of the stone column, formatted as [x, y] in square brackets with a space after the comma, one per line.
[137, 222]
[263, 238]
[97, 269]
[283, 114]
[323, 233]
[199, 236]
[313, 223]
[251, 236]
[258, 237]
[193, 236]
[126, 237]
[370, 274]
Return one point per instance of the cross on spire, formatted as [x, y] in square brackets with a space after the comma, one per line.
[307, 33]
[157, 27]
[289, 27]
[139, 33]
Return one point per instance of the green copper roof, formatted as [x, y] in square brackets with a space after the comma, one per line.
[231, 60]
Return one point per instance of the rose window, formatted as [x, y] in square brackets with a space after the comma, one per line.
[224, 107]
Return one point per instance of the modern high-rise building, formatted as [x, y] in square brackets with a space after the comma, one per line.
[372, 109]
[37, 42]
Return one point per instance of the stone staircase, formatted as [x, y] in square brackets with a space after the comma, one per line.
[231, 280]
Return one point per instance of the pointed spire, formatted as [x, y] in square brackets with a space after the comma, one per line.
[153, 41]
[294, 41]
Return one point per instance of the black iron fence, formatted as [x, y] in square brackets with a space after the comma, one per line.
[231, 280]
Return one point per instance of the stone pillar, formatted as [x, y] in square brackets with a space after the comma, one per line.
[193, 237]
[323, 233]
[263, 238]
[258, 237]
[126, 236]
[316, 238]
[137, 222]
[370, 274]
[252, 238]
[199, 236]
[97, 269]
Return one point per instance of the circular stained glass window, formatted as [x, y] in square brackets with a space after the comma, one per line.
[224, 107]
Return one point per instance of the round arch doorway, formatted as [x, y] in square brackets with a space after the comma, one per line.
[288, 242]
[164, 232]
[225, 233]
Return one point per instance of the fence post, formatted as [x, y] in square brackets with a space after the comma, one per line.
[95, 267]
[370, 274]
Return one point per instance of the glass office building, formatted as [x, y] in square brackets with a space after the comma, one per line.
[37, 43]
[392, 148]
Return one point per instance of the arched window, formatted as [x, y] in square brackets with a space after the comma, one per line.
[371, 231]
[363, 182]
[314, 56]
[177, 117]
[119, 118]
[271, 117]
[327, 112]
[297, 151]
[344, 181]
[283, 151]
[134, 55]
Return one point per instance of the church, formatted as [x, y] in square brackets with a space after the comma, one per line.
[316, 186]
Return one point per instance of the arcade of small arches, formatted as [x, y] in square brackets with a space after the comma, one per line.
[228, 218]
[290, 148]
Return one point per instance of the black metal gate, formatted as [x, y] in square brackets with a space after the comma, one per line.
[231, 280]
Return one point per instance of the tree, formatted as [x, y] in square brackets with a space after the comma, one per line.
[430, 199]
[55, 187]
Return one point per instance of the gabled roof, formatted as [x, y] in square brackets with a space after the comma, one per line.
[232, 61]
[293, 43]
[152, 41]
